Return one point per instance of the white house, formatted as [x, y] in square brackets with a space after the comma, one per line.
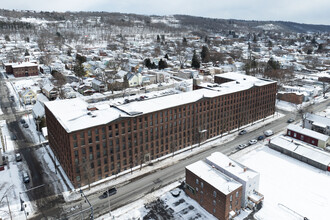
[242, 174]
[317, 123]
[134, 79]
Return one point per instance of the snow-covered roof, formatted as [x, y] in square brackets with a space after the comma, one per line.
[24, 64]
[231, 166]
[244, 80]
[318, 119]
[61, 108]
[308, 132]
[73, 114]
[214, 177]
[302, 149]
[38, 110]
[48, 87]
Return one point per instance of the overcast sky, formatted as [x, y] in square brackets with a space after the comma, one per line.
[303, 11]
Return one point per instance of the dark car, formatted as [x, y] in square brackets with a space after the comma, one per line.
[25, 125]
[110, 192]
[22, 121]
[290, 120]
[260, 138]
[242, 132]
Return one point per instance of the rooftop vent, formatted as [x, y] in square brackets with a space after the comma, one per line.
[91, 108]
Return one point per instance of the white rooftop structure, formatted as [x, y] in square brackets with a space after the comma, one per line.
[313, 154]
[231, 166]
[308, 132]
[214, 177]
[72, 113]
[242, 174]
[24, 64]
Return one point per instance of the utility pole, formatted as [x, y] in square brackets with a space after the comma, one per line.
[90, 205]
[9, 207]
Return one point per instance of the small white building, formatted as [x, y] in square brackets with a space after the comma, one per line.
[317, 123]
[242, 174]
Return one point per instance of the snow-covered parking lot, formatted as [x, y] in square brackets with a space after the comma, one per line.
[289, 184]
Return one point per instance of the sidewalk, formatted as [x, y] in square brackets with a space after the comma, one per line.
[165, 161]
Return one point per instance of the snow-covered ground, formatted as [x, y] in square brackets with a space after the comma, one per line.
[289, 184]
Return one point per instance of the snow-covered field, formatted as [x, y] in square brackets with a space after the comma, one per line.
[289, 184]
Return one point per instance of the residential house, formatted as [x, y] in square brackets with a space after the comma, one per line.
[99, 86]
[50, 91]
[28, 96]
[134, 79]
[317, 123]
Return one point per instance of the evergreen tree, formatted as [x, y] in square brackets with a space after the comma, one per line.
[153, 65]
[126, 84]
[147, 63]
[205, 54]
[26, 53]
[158, 38]
[7, 38]
[184, 41]
[69, 52]
[273, 64]
[162, 64]
[166, 56]
[195, 61]
[79, 70]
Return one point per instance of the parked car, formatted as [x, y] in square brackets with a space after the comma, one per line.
[22, 121]
[241, 146]
[25, 125]
[110, 192]
[242, 132]
[18, 157]
[13, 137]
[290, 120]
[261, 137]
[268, 133]
[253, 141]
[26, 177]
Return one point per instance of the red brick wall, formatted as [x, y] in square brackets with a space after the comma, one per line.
[301, 137]
[219, 204]
[291, 97]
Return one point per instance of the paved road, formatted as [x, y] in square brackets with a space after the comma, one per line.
[139, 187]
[44, 197]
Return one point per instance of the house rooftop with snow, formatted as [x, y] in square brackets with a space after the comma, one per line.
[308, 136]
[219, 194]
[317, 123]
[242, 174]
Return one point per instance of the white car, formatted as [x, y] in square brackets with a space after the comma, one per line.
[253, 141]
[268, 133]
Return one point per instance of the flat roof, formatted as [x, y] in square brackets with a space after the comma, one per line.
[302, 149]
[72, 114]
[24, 64]
[232, 166]
[318, 119]
[308, 132]
[214, 177]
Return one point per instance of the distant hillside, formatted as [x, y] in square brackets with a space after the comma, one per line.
[12, 19]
